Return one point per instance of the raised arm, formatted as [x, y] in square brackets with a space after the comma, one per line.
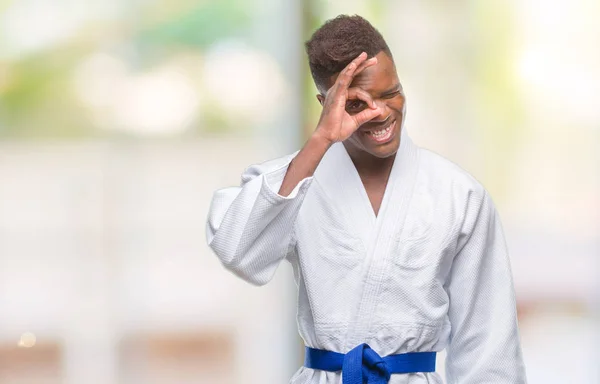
[250, 227]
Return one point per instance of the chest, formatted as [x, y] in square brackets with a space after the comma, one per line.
[375, 189]
[388, 269]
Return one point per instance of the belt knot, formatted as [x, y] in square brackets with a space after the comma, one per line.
[363, 365]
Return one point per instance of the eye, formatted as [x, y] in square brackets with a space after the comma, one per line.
[355, 105]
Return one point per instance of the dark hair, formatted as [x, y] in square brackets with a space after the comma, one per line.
[337, 42]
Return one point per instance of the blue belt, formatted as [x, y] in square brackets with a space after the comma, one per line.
[363, 365]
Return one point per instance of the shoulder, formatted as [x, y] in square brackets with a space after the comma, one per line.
[452, 184]
[446, 176]
[266, 166]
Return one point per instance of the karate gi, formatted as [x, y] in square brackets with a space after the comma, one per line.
[429, 272]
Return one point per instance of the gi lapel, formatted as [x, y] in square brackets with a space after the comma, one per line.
[388, 226]
[338, 178]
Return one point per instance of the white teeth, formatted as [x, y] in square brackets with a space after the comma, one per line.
[382, 135]
[381, 132]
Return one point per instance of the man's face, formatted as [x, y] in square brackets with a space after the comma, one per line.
[380, 136]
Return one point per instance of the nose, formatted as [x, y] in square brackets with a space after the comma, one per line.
[384, 115]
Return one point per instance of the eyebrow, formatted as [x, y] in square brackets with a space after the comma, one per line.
[393, 89]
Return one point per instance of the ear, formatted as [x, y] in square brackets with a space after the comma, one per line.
[321, 98]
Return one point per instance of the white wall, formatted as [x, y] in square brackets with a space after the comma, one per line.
[103, 241]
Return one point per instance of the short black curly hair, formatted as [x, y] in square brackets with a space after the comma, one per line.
[337, 42]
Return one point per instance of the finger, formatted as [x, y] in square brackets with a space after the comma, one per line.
[366, 64]
[367, 115]
[361, 94]
[345, 77]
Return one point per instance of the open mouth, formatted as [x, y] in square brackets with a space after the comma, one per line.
[381, 135]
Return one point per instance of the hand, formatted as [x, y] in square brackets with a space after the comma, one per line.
[335, 123]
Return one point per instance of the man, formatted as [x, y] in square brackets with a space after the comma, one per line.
[397, 252]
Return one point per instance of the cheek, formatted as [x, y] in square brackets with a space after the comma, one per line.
[397, 105]
[356, 137]
[357, 140]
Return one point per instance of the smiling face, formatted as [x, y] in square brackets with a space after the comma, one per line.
[379, 137]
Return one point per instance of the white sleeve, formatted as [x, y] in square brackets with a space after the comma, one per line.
[484, 342]
[250, 227]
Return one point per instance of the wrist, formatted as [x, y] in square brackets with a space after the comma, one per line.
[319, 138]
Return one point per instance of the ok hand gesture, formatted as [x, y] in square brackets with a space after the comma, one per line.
[335, 123]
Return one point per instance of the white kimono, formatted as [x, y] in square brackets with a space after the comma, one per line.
[430, 271]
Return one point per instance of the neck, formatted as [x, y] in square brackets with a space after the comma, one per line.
[367, 164]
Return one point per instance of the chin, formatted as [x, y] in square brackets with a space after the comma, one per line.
[383, 150]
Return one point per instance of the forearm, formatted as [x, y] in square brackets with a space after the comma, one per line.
[305, 163]
[335, 124]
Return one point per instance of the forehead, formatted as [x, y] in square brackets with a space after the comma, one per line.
[376, 78]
